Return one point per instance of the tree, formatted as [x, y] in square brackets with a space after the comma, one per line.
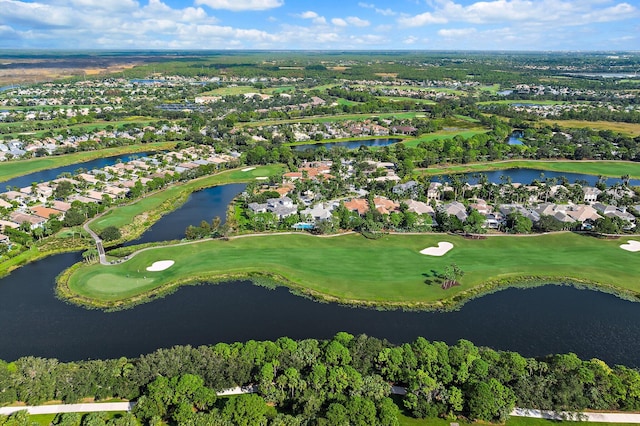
[73, 217]
[63, 190]
[518, 224]
[110, 233]
[452, 274]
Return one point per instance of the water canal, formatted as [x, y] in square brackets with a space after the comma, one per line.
[50, 174]
[377, 142]
[535, 322]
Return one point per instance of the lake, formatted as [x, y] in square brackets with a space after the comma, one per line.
[377, 142]
[50, 174]
[534, 322]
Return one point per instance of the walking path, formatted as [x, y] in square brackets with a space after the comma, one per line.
[70, 408]
[103, 406]
[586, 416]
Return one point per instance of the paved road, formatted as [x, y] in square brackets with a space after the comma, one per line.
[589, 417]
[102, 406]
[70, 408]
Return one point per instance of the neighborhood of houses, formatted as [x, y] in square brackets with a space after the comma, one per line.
[32, 206]
[429, 199]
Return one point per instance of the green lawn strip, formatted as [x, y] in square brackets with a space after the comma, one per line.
[174, 195]
[630, 129]
[604, 168]
[388, 272]
[402, 98]
[444, 134]
[528, 102]
[11, 169]
[332, 118]
[97, 125]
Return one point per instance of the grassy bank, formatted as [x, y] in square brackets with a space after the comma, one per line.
[139, 215]
[604, 168]
[11, 169]
[389, 272]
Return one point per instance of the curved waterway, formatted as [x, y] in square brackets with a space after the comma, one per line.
[201, 205]
[526, 176]
[349, 144]
[534, 322]
[50, 174]
[538, 321]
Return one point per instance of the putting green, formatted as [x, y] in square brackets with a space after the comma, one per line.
[389, 271]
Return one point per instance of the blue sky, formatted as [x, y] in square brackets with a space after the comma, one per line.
[321, 24]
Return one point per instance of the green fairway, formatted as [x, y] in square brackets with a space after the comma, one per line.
[385, 272]
[630, 129]
[166, 199]
[444, 134]
[11, 169]
[604, 168]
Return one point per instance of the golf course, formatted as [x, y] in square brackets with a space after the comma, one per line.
[389, 272]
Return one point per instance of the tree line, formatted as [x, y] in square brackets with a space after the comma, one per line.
[344, 380]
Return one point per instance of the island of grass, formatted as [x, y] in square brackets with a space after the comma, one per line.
[389, 272]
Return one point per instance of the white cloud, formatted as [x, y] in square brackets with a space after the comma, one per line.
[564, 12]
[421, 20]
[238, 5]
[456, 33]
[384, 12]
[339, 22]
[410, 40]
[357, 22]
[317, 19]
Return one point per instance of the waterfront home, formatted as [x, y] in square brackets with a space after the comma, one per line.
[33, 221]
[45, 212]
[590, 194]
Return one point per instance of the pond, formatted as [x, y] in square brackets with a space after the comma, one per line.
[515, 138]
[50, 174]
[377, 142]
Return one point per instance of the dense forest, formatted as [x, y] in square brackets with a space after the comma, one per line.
[344, 380]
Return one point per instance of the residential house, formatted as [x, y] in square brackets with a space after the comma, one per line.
[456, 209]
[45, 212]
[34, 221]
[359, 205]
[591, 194]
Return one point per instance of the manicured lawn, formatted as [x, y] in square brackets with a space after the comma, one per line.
[122, 216]
[445, 134]
[604, 168]
[513, 421]
[389, 270]
[11, 169]
[401, 98]
[525, 102]
[332, 118]
[631, 129]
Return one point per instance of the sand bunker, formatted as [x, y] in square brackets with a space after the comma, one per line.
[262, 178]
[442, 249]
[160, 265]
[631, 245]
[248, 169]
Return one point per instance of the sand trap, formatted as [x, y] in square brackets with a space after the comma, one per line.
[262, 178]
[248, 169]
[441, 250]
[631, 245]
[160, 265]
